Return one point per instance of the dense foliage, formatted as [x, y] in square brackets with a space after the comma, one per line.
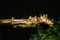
[50, 33]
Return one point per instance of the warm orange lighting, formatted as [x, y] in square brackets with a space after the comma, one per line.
[30, 20]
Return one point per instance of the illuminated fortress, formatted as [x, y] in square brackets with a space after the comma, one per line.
[29, 21]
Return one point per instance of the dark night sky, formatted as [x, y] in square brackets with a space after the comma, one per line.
[35, 8]
[30, 8]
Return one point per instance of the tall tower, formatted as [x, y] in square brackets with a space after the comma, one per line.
[12, 19]
[35, 18]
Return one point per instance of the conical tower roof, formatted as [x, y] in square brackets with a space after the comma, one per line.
[30, 17]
